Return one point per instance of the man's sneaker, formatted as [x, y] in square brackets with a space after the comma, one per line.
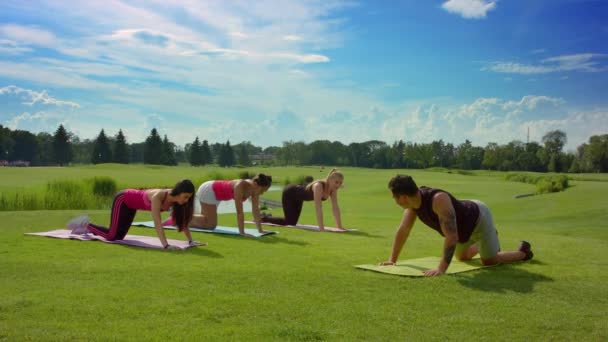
[78, 225]
[527, 249]
[266, 215]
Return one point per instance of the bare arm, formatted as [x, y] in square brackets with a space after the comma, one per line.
[157, 203]
[442, 206]
[403, 232]
[255, 210]
[317, 189]
[239, 193]
[336, 209]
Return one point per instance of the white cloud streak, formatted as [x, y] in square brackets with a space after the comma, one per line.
[583, 62]
[34, 97]
[469, 9]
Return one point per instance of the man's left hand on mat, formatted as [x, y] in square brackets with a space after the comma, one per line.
[433, 273]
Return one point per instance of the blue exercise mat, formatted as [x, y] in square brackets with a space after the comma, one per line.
[217, 230]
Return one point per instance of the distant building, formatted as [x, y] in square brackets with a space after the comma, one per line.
[261, 158]
[17, 163]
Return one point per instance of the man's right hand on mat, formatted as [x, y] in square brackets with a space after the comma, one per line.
[386, 263]
[172, 248]
[194, 243]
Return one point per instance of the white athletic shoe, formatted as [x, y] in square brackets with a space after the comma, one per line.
[78, 225]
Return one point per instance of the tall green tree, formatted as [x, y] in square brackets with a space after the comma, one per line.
[468, 157]
[206, 156]
[136, 152]
[153, 148]
[195, 152]
[554, 142]
[168, 154]
[6, 143]
[491, 156]
[82, 150]
[102, 153]
[226, 155]
[25, 146]
[45, 149]
[243, 155]
[121, 149]
[62, 147]
[593, 156]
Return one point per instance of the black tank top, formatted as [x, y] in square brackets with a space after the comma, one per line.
[467, 213]
[300, 192]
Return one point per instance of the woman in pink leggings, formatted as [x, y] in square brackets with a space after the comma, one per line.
[210, 194]
[128, 202]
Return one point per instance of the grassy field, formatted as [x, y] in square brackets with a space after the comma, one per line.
[300, 285]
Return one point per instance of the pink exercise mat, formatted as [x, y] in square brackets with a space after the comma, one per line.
[130, 240]
[307, 227]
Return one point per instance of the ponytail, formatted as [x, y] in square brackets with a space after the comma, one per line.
[334, 173]
[262, 180]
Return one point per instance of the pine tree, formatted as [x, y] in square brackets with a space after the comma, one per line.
[62, 147]
[101, 150]
[153, 149]
[195, 157]
[168, 153]
[226, 155]
[206, 156]
[121, 149]
[244, 155]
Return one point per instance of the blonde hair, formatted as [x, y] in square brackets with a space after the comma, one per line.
[333, 173]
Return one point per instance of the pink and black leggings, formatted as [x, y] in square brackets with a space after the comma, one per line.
[120, 221]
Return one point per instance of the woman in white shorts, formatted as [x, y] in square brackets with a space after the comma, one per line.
[210, 194]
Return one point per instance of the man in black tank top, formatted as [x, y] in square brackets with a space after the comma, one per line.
[467, 226]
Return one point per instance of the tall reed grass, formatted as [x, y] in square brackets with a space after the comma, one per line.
[91, 193]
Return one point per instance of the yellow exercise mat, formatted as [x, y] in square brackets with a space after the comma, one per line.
[416, 267]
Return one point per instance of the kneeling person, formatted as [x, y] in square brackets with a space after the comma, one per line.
[466, 225]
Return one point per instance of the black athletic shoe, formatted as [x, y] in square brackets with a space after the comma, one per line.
[527, 249]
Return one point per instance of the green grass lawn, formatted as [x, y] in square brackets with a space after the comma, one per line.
[300, 285]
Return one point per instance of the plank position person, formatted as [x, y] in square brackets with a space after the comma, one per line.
[127, 202]
[318, 191]
[210, 194]
[466, 225]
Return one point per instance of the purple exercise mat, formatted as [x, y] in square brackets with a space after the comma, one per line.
[131, 240]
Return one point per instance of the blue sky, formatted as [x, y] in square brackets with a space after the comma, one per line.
[271, 71]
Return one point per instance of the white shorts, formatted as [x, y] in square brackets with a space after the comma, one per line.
[206, 195]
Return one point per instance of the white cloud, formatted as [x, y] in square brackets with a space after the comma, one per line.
[27, 35]
[32, 97]
[584, 62]
[36, 122]
[516, 68]
[469, 9]
[292, 38]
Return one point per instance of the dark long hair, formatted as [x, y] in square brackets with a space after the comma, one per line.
[182, 214]
[262, 180]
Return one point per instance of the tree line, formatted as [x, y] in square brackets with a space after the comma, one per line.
[63, 148]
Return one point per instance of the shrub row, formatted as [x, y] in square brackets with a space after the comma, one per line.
[544, 184]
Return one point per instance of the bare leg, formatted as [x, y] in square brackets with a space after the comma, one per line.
[504, 257]
[469, 253]
[207, 219]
